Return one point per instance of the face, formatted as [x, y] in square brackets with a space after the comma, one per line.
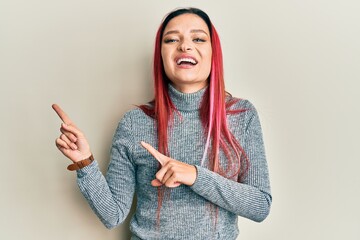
[186, 52]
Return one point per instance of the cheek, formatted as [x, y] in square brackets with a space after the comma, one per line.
[208, 61]
[165, 58]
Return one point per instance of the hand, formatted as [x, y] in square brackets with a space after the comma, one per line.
[173, 173]
[72, 142]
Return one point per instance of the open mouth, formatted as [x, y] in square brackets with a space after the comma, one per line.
[186, 61]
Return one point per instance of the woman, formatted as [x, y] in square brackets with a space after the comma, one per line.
[211, 164]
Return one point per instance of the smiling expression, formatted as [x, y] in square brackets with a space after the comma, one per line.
[186, 52]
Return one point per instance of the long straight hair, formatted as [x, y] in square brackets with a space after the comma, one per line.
[213, 110]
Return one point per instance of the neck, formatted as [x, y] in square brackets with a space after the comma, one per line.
[189, 88]
[186, 101]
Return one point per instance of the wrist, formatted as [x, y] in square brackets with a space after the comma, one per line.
[81, 164]
[194, 174]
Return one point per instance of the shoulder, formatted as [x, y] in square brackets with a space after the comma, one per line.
[241, 111]
[240, 104]
[134, 120]
[134, 113]
[132, 123]
[134, 116]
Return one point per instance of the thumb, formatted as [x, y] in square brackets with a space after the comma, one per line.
[156, 183]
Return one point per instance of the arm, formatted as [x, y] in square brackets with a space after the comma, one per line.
[251, 198]
[111, 197]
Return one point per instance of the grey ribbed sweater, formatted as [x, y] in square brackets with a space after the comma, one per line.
[186, 215]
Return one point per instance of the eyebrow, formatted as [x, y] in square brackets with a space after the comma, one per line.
[192, 31]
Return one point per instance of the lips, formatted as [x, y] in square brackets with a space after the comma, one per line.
[186, 60]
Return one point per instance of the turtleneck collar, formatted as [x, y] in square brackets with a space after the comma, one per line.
[186, 101]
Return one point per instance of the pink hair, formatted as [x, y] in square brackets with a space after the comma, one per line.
[213, 112]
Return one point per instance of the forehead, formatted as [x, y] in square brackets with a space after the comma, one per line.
[186, 22]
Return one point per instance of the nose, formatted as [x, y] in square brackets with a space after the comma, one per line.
[185, 46]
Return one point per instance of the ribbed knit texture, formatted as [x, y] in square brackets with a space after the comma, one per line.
[187, 213]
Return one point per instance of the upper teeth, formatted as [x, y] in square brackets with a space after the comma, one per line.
[186, 60]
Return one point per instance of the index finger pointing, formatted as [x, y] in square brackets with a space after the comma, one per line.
[154, 152]
[62, 114]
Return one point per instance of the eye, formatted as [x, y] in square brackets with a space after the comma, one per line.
[170, 40]
[199, 40]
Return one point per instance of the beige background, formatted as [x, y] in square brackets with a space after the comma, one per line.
[297, 61]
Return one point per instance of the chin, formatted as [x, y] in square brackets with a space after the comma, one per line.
[187, 79]
[190, 83]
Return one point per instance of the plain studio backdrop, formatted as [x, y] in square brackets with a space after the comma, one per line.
[297, 61]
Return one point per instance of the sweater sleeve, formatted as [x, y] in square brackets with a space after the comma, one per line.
[111, 197]
[252, 197]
